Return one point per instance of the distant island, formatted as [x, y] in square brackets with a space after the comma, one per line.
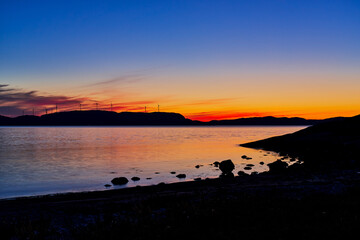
[108, 118]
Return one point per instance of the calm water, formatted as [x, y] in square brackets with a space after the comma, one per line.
[43, 160]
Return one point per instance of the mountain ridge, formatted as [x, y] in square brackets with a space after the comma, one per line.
[109, 118]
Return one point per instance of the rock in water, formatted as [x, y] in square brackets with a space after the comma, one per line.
[120, 181]
[216, 164]
[226, 166]
[135, 179]
[181, 175]
[277, 166]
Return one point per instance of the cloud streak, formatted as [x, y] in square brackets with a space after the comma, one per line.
[131, 78]
[15, 101]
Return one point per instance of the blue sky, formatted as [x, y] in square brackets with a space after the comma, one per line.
[46, 43]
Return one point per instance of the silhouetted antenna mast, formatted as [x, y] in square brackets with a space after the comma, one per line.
[46, 111]
[158, 108]
[56, 108]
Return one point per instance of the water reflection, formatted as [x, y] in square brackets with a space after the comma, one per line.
[41, 160]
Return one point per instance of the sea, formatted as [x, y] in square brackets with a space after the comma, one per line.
[50, 160]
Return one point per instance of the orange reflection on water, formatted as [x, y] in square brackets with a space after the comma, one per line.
[56, 159]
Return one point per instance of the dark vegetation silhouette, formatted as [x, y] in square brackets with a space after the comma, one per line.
[108, 118]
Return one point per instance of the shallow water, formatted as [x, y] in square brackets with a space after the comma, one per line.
[44, 160]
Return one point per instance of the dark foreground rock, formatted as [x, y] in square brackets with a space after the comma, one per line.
[181, 175]
[135, 179]
[120, 181]
[226, 166]
[216, 164]
[277, 166]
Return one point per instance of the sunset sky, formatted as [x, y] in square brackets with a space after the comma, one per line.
[201, 58]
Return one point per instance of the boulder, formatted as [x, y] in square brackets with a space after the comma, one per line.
[216, 164]
[120, 181]
[261, 163]
[172, 172]
[181, 175]
[226, 166]
[250, 165]
[135, 179]
[247, 168]
[244, 157]
[277, 166]
[197, 179]
[197, 166]
[107, 185]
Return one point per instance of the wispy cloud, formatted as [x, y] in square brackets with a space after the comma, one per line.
[15, 101]
[131, 78]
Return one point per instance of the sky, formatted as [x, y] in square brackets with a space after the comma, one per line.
[204, 59]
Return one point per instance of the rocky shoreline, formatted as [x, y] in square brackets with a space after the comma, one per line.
[137, 212]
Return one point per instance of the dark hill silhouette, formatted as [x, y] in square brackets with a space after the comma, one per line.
[333, 143]
[99, 118]
[4, 120]
[105, 118]
[265, 121]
